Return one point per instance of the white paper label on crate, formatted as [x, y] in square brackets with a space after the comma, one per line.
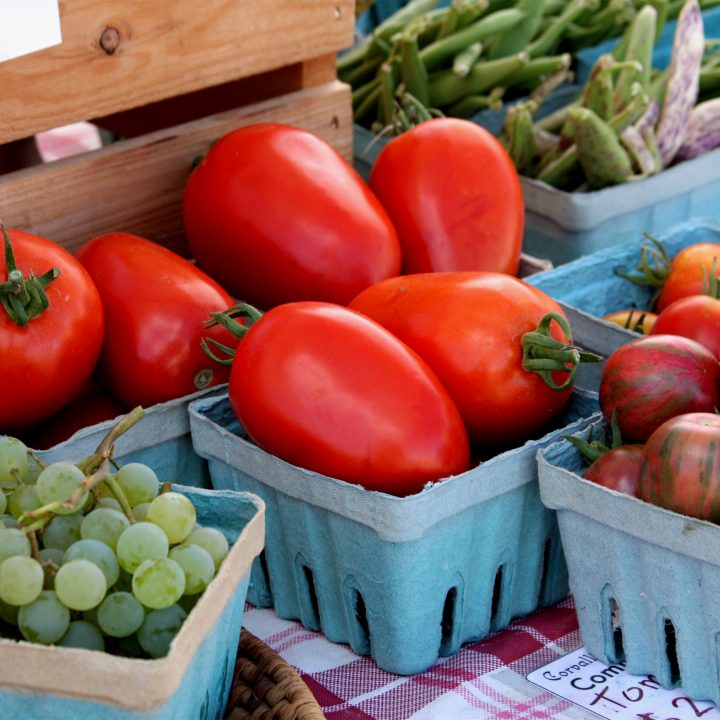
[611, 692]
[28, 26]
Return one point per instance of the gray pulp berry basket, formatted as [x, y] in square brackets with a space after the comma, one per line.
[646, 580]
[404, 580]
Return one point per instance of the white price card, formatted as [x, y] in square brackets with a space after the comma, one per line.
[611, 692]
[28, 26]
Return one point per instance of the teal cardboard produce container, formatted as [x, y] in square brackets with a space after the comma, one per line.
[161, 439]
[589, 288]
[563, 226]
[645, 580]
[192, 682]
[404, 580]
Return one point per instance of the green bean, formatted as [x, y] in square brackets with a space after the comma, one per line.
[437, 53]
[521, 146]
[547, 43]
[447, 88]
[466, 58]
[517, 39]
[538, 70]
[472, 104]
[601, 154]
[387, 94]
[641, 40]
[360, 93]
[367, 104]
[412, 71]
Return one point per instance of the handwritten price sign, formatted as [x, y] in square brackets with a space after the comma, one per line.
[611, 692]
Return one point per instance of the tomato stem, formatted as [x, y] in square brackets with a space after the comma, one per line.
[544, 355]
[23, 298]
[653, 268]
[227, 320]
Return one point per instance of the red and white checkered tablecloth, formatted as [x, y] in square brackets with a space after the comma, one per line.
[484, 680]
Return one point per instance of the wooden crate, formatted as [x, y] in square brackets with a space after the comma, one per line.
[170, 77]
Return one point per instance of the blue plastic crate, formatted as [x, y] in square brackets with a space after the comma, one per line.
[645, 580]
[589, 288]
[193, 681]
[161, 440]
[404, 580]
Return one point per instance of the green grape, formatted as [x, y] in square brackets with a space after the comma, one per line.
[45, 620]
[24, 498]
[33, 471]
[139, 542]
[57, 482]
[9, 521]
[104, 525]
[96, 552]
[120, 614]
[139, 483]
[62, 531]
[21, 580]
[3, 503]
[197, 564]
[159, 628]
[174, 513]
[13, 459]
[13, 542]
[9, 613]
[80, 584]
[109, 502]
[81, 634]
[51, 554]
[158, 584]
[213, 541]
[140, 511]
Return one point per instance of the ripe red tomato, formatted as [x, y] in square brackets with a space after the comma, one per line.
[47, 361]
[654, 378]
[467, 326]
[685, 276]
[681, 466]
[694, 316]
[276, 214]
[618, 469]
[454, 196]
[156, 304]
[329, 390]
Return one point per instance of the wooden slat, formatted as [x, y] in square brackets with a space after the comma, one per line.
[121, 54]
[136, 185]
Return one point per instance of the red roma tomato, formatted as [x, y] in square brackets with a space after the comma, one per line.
[694, 316]
[329, 390]
[467, 327]
[94, 404]
[680, 470]
[156, 304]
[276, 214]
[47, 361]
[654, 378]
[686, 272]
[618, 469]
[454, 196]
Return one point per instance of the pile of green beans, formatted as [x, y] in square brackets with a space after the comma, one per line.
[430, 59]
[628, 121]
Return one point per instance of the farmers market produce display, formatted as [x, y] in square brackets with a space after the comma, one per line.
[628, 121]
[98, 557]
[458, 58]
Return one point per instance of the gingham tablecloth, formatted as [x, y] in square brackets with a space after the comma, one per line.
[484, 680]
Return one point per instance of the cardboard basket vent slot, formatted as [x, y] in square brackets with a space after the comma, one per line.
[450, 626]
[670, 641]
[308, 596]
[360, 628]
[497, 606]
[546, 569]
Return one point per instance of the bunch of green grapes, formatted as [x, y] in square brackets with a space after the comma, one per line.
[117, 571]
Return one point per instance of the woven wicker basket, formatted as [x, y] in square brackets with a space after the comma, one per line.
[265, 687]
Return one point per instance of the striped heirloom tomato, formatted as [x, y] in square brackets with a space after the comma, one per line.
[680, 469]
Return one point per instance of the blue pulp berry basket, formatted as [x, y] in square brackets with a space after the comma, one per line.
[589, 288]
[645, 580]
[193, 681]
[161, 440]
[404, 580]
